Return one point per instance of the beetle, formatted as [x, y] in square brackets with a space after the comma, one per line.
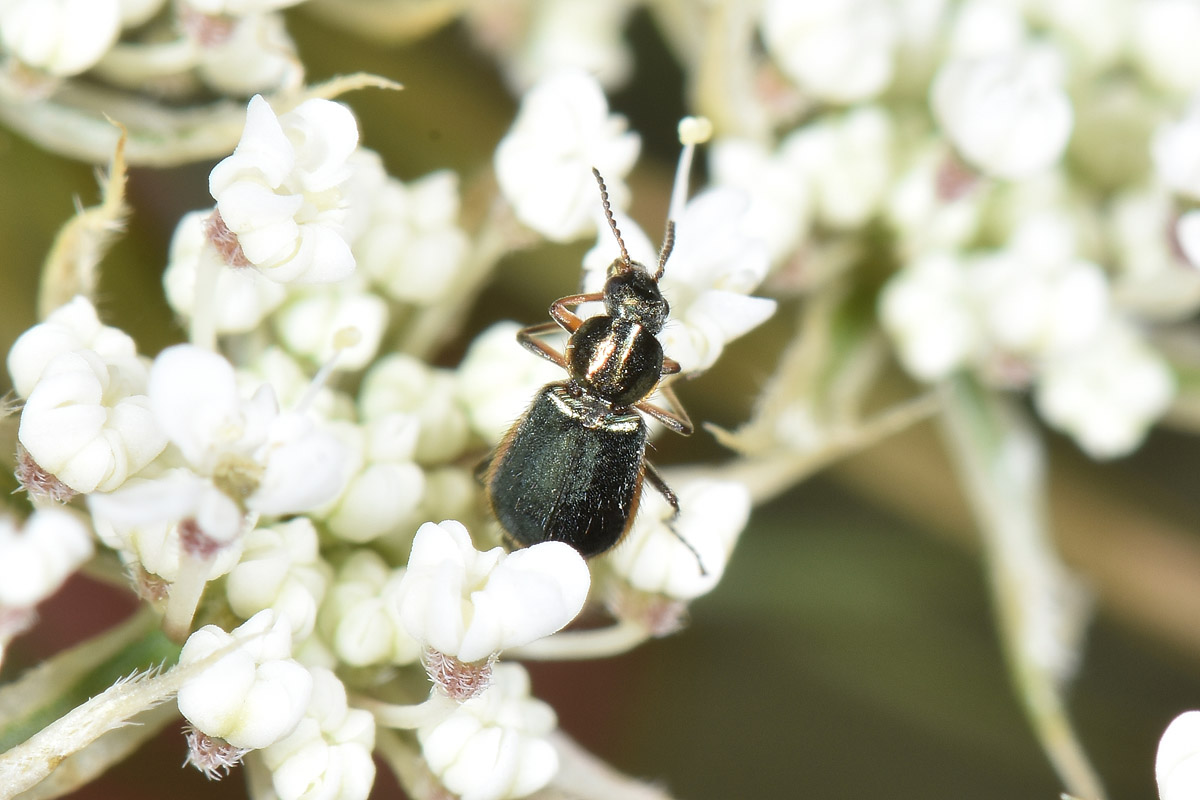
[571, 468]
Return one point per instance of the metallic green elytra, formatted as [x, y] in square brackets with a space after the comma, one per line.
[571, 468]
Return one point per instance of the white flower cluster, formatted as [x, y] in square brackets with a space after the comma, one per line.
[944, 136]
[238, 47]
[238, 490]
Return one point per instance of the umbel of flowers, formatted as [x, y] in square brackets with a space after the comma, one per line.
[289, 534]
[999, 194]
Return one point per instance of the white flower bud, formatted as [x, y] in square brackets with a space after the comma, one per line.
[401, 383]
[937, 204]
[413, 247]
[847, 163]
[1108, 394]
[280, 192]
[841, 51]
[60, 37]
[492, 747]
[654, 557]
[258, 56]
[308, 323]
[328, 755]
[983, 28]
[80, 424]
[280, 569]
[1162, 43]
[1008, 115]
[544, 163]
[37, 557]
[1152, 280]
[383, 487]
[74, 326]
[1177, 764]
[253, 696]
[360, 617]
[1038, 308]
[243, 296]
[1176, 152]
[926, 309]
[574, 35]
[497, 380]
[470, 605]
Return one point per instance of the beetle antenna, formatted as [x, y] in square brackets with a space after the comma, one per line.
[612, 222]
[667, 246]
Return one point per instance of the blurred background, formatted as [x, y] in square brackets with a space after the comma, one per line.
[850, 650]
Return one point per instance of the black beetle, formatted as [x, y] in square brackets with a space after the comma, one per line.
[571, 468]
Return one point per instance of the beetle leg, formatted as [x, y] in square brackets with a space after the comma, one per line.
[678, 421]
[569, 321]
[536, 346]
[651, 474]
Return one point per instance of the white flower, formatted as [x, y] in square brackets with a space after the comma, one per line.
[401, 383]
[413, 248]
[982, 28]
[1095, 31]
[243, 296]
[780, 198]
[925, 308]
[1176, 152]
[574, 34]
[277, 463]
[258, 56]
[707, 280]
[328, 755]
[1107, 394]
[60, 37]
[493, 746]
[1008, 115]
[470, 605]
[280, 191]
[1038, 307]
[654, 557]
[280, 569]
[846, 162]
[1177, 765]
[1162, 43]
[497, 380]
[73, 326]
[544, 163]
[1153, 280]
[310, 322]
[253, 696]
[83, 424]
[155, 522]
[384, 488]
[360, 618]
[841, 51]
[37, 557]
[937, 204]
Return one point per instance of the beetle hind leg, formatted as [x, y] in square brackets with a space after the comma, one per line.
[652, 475]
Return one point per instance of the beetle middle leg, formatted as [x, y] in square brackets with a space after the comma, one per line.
[652, 475]
[678, 421]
